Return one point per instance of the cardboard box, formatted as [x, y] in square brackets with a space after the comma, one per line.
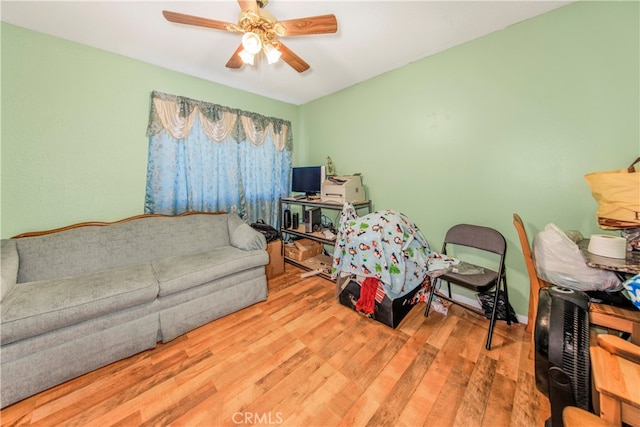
[302, 249]
[276, 259]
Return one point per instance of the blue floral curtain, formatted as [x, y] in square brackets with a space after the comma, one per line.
[209, 158]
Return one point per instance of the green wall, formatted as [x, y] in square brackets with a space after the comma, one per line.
[74, 120]
[507, 123]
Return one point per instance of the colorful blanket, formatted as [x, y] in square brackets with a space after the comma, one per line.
[384, 245]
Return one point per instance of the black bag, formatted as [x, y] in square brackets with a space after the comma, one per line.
[486, 300]
[268, 231]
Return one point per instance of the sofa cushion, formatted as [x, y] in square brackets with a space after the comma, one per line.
[178, 273]
[37, 307]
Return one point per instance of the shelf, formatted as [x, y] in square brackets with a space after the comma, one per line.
[319, 237]
[313, 264]
[326, 205]
[304, 203]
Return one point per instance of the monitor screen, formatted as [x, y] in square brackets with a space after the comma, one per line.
[307, 179]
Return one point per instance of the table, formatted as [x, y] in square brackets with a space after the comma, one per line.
[608, 316]
[629, 265]
[616, 379]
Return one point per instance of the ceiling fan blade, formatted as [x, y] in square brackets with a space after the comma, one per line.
[249, 5]
[198, 21]
[321, 24]
[292, 59]
[235, 61]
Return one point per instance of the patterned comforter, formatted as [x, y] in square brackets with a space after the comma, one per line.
[385, 245]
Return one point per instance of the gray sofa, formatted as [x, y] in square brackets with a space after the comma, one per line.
[86, 296]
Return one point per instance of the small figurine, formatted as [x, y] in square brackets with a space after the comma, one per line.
[330, 170]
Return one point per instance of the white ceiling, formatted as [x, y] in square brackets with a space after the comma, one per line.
[373, 36]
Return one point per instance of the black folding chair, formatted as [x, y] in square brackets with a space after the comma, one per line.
[485, 239]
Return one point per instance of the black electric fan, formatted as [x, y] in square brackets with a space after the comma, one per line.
[562, 365]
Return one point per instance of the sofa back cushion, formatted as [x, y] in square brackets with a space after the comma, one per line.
[88, 249]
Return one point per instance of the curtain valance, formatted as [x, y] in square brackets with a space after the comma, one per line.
[176, 115]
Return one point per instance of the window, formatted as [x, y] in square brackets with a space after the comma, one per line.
[206, 157]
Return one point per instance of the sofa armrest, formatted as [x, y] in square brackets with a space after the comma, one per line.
[9, 264]
[242, 236]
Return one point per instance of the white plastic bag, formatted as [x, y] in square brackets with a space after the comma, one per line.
[559, 261]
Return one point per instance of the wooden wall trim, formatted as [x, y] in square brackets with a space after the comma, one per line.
[99, 223]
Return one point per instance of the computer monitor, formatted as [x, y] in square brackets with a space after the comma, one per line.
[307, 179]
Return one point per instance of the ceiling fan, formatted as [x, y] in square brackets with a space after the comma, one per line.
[261, 32]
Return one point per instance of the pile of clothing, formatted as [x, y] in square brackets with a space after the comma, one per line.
[386, 255]
[383, 251]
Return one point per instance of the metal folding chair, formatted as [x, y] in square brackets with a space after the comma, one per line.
[487, 240]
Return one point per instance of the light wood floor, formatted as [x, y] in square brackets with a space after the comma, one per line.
[301, 359]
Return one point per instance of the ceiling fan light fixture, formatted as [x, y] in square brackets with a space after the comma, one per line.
[260, 31]
[251, 43]
[246, 57]
[279, 29]
[272, 54]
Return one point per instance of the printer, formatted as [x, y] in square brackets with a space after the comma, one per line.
[342, 189]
